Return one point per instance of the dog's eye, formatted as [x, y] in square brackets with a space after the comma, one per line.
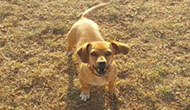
[108, 54]
[93, 54]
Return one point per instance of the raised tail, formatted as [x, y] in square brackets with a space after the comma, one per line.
[91, 10]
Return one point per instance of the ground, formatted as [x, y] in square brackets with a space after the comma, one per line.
[35, 72]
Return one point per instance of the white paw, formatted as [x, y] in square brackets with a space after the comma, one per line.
[84, 97]
[69, 53]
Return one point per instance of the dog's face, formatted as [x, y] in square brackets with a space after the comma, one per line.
[99, 55]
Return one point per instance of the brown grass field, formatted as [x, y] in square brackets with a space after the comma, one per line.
[36, 74]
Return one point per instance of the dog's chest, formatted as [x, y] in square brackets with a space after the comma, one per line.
[87, 76]
[99, 81]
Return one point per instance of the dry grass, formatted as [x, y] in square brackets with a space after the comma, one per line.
[36, 74]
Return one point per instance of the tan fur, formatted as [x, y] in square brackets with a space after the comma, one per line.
[85, 35]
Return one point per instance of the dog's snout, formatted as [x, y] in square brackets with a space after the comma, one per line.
[102, 63]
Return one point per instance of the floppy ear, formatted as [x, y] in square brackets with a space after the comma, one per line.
[83, 52]
[119, 47]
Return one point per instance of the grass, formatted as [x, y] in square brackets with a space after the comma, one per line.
[35, 72]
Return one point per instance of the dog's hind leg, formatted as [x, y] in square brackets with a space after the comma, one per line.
[71, 41]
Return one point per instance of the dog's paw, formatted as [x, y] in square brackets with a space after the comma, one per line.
[84, 97]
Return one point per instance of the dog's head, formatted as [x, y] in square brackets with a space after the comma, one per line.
[99, 55]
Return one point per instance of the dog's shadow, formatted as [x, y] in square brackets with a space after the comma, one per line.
[98, 99]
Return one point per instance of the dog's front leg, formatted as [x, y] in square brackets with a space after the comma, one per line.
[85, 90]
[111, 85]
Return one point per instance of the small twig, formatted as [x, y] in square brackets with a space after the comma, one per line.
[5, 57]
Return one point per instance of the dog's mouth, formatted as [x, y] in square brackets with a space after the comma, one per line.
[100, 71]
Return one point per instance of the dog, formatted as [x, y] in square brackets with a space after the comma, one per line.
[95, 54]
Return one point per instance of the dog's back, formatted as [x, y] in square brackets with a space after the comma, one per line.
[85, 30]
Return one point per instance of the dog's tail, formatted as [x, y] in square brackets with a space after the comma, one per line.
[91, 10]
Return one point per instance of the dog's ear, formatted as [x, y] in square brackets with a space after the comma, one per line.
[83, 52]
[119, 47]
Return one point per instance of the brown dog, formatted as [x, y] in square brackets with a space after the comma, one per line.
[96, 55]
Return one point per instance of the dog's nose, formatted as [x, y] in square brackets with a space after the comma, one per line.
[102, 63]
